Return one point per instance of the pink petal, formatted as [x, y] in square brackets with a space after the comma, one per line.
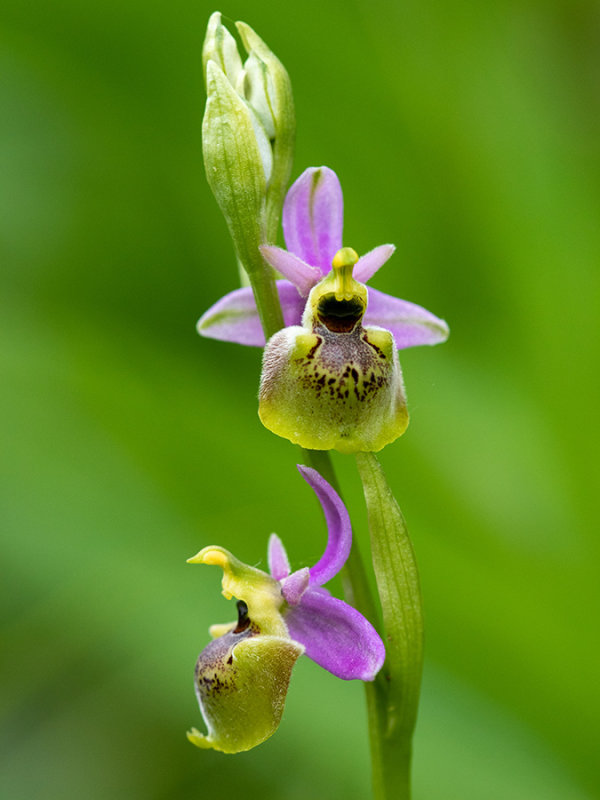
[410, 324]
[336, 636]
[313, 217]
[339, 539]
[367, 265]
[303, 276]
[294, 586]
[234, 317]
[279, 566]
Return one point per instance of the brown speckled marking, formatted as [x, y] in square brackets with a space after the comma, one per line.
[377, 349]
[215, 672]
[342, 367]
[311, 353]
[337, 390]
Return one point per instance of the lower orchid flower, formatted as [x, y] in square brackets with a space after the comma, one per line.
[242, 677]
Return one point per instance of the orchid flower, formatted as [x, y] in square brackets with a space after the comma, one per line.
[312, 228]
[331, 383]
[242, 676]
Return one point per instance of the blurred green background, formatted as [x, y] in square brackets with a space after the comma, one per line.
[467, 133]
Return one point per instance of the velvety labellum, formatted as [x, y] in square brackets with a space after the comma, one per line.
[333, 384]
[241, 682]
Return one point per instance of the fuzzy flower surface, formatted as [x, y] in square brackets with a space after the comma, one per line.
[313, 219]
[242, 677]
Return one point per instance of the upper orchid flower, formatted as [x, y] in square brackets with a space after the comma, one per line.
[312, 228]
[331, 383]
[242, 677]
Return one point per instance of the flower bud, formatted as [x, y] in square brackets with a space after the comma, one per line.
[220, 47]
[247, 136]
[234, 158]
[269, 91]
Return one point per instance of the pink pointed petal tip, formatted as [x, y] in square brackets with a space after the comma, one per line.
[234, 318]
[279, 566]
[313, 217]
[367, 265]
[336, 636]
[339, 540]
[410, 324]
[294, 586]
[302, 275]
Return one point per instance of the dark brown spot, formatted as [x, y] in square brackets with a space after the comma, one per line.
[311, 353]
[378, 350]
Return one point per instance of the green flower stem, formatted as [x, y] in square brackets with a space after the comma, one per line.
[394, 696]
[267, 299]
[283, 155]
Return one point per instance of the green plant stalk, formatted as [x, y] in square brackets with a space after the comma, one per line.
[393, 698]
[283, 154]
[267, 299]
